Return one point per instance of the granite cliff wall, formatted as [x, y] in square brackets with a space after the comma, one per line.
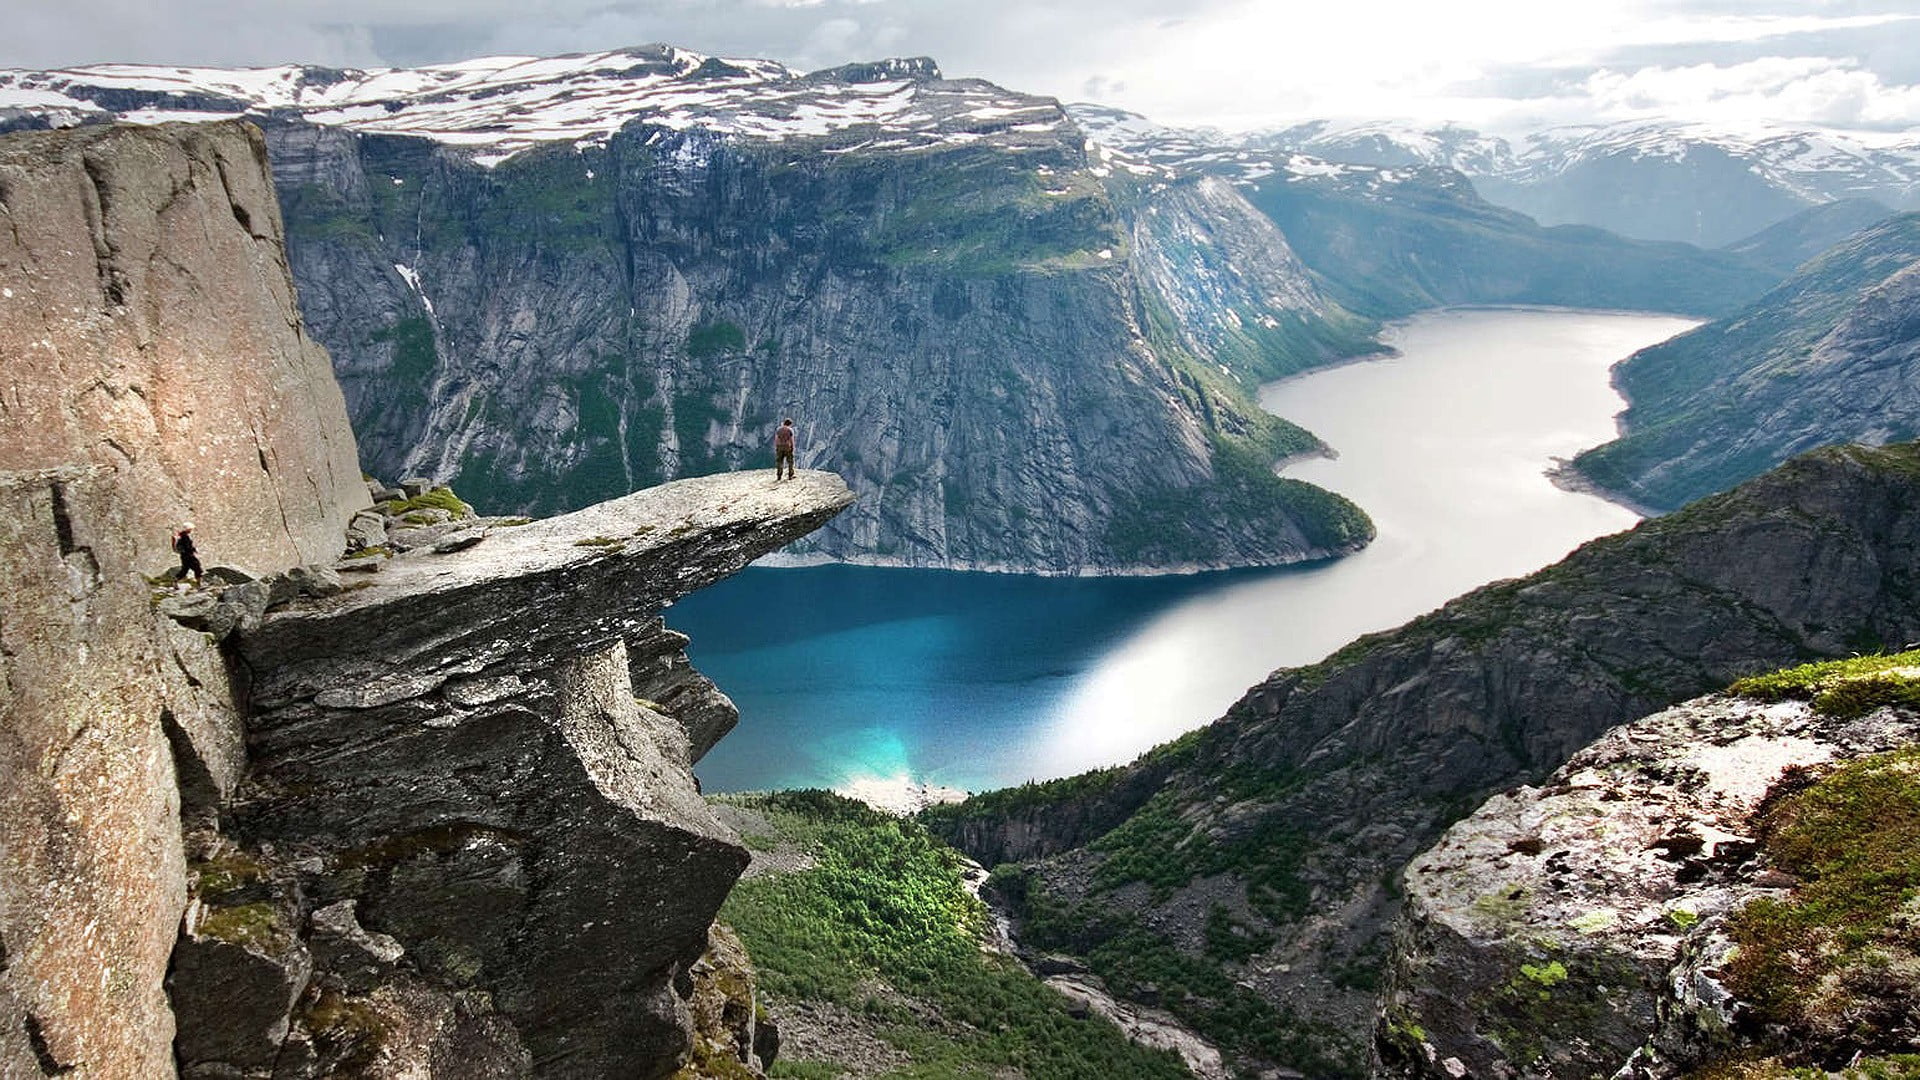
[436, 819]
[153, 368]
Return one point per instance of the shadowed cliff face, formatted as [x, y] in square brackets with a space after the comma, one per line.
[1011, 351]
[1290, 814]
[152, 369]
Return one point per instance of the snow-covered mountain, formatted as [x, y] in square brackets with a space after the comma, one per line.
[1653, 180]
[499, 106]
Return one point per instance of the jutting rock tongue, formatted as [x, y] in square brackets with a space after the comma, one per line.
[153, 367]
[457, 750]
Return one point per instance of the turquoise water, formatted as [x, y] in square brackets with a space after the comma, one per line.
[849, 677]
[848, 673]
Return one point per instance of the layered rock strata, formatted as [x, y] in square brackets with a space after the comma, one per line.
[1578, 928]
[448, 758]
[153, 368]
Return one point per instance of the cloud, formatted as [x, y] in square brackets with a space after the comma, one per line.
[1233, 63]
[1813, 89]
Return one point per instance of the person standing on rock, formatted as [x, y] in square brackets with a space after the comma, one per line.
[189, 556]
[783, 449]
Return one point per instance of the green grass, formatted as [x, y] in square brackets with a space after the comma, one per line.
[883, 926]
[714, 339]
[1829, 967]
[438, 499]
[1137, 962]
[1842, 688]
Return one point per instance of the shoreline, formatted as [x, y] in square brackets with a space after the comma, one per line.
[1565, 476]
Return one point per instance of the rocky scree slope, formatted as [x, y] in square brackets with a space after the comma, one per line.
[1663, 902]
[1243, 874]
[1828, 356]
[1392, 237]
[152, 369]
[549, 282]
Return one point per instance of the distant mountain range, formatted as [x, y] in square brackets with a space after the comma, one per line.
[1651, 180]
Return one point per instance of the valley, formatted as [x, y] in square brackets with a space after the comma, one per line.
[971, 684]
[1239, 557]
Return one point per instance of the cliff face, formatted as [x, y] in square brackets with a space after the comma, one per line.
[449, 761]
[1262, 860]
[1592, 925]
[554, 282]
[437, 819]
[154, 369]
[1827, 356]
[1010, 357]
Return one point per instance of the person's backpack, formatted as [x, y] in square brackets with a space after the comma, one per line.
[177, 538]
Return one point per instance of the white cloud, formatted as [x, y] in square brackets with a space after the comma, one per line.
[1232, 63]
[1814, 89]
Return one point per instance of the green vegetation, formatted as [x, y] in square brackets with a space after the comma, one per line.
[377, 551]
[981, 214]
[1180, 525]
[883, 926]
[1830, 967]
[413, 352]
[1138, 963]
[715, 338]
[599, 541]
[439, 498]
[1691, 396]
[259, 926]
[1842, 688]
[1892, 1067]
[1087, 787]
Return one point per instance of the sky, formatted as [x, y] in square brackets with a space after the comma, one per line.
[1502, 65]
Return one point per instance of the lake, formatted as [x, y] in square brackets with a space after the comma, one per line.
[872, 679]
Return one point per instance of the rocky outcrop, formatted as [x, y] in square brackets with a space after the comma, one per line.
[403, 814]
[153, 368]
[468, 819]
[1267, 853]
[1829, 356]
[1579, 928]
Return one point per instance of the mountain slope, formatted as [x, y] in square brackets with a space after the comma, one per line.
[1828, 356]
[1648, 179]
[1401, 233]
[1243, 874]
[1784, 246]
[551, 281]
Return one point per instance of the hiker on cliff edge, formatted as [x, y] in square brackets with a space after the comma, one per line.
[189, 557]
[783, 449]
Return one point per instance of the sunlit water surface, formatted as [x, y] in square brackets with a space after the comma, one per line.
[860, 677]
